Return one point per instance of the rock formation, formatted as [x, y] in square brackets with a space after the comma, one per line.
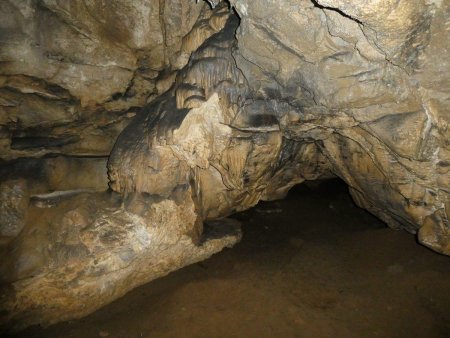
[366, 81]
[241, 101]
[336, 91]
[73, 73]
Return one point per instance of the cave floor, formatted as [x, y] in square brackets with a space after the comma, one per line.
[312, 265]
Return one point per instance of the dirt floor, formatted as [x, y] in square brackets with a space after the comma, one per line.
[312, 265]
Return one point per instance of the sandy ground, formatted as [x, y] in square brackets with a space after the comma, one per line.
[312, 265]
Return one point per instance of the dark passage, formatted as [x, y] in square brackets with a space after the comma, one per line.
[312, 265]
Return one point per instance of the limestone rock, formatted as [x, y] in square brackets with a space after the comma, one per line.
[72, 72]
[204, 133]
[327, 94]
[367, 86]
[91, 250]
[235, 111]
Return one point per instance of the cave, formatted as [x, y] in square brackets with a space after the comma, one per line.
[224, 168]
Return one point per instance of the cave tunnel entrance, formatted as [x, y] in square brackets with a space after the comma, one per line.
[333, 87]
[311, 265]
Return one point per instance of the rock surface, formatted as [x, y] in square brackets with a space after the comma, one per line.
[208, 132]
[367, 82]
[330, 92]
[239, 111]
[72, 74]
[90, 250]
[14, 201]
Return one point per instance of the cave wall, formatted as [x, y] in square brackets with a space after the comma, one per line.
[369, 82]
[73, 73]
[356, 91]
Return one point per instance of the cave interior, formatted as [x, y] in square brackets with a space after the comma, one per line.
[183, 168]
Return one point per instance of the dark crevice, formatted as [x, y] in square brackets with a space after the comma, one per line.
[31, 142]
[317, 5]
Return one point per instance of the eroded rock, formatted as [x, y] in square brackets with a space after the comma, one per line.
[363, 84]
[90, 250]
[72, 74]
[308, 90]
[206, 133]
[330, 94]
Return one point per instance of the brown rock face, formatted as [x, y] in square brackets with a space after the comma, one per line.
[315, 85]
[367, 86]
[73, 73]
[237, 109]
[211, 133]
[76, 257]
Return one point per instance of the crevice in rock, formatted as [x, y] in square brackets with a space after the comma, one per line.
[30, 142]
[337, 10]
